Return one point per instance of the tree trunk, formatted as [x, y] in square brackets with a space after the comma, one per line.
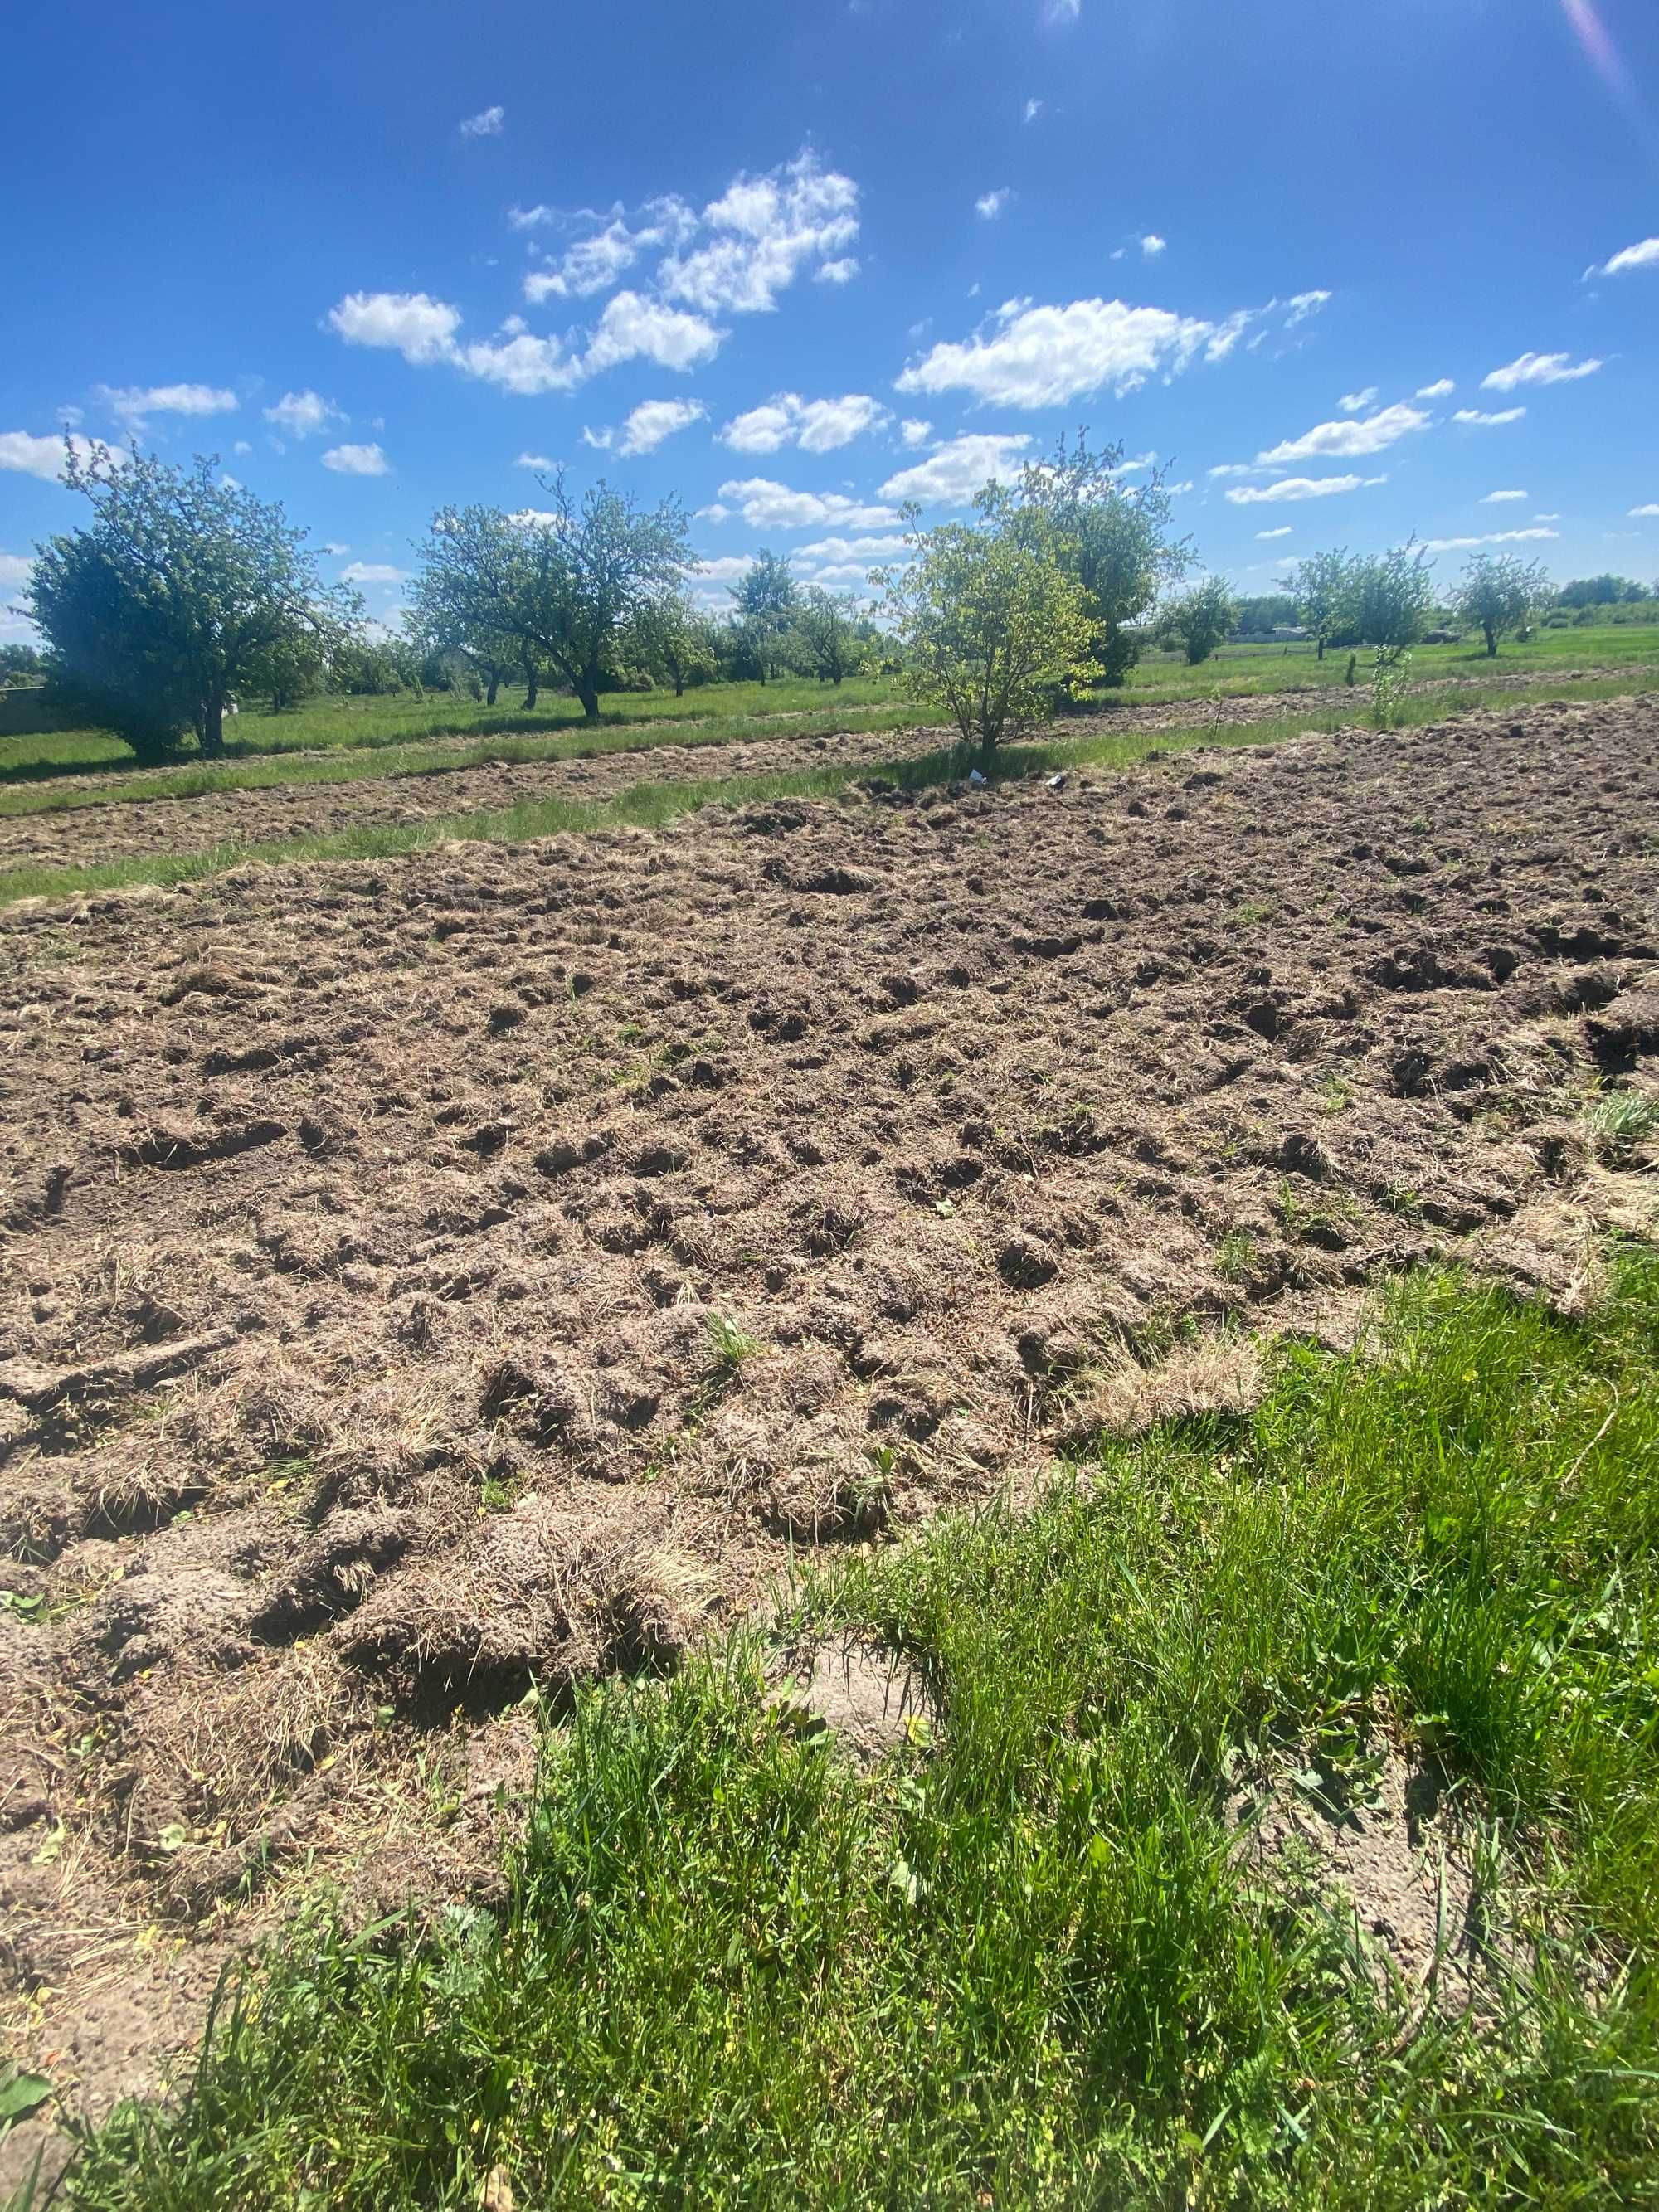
[1492, 643]
[489, 694]
[530, 684]
[679, 687]
[836, 678]
[1319, 655]
[213, 729]
[590, 698]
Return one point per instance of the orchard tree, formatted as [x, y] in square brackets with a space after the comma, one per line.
[1202, 618]
[185, 590]
[1321, 587]
[467, 597]
[767, 601]
[993, 620]
[1389, 598]
[826, 629]
[1115, 538]
[1499, 592]
[675, 641]
[587, 570]
[19, 663]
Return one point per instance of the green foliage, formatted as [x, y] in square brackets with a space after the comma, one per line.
[1605, 591]
[765, 607]
[185, 590]
[1114, 539]
[1499, 592]
[1390, 673]
[830, 644]
[676, 642]
[1320, 588]
[1019, 1958]
[991, 617]
[466, 597]
[1265, 613]
[1202, 618]
[1388, 598]
[19, 663]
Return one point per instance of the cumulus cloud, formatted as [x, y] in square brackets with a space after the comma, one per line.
[914, 431]
[633, 328]
[989, 206]
[1498, 498]
[15, 569]
[372, 572]
[136, 403]
[1540, 368]
[544, 462]
[729, 568]
[1492, 537]
[1643, 255]
[1345, 441]
[1442, 388]
[594, 263]
[43, 457]
[1481, 419]
[1151, 245]
[1043, 356]
[765, 505]
[1032, 109]
[520, 364]
[817, 426]
[1282, 530]
[487, 123]
[1355, 403]
[356, 461]
[413, 323]
[955, 471]
[837, 272]
[1299, 487]
[303, 414]
[761, 233]
[1650, 507]
[654, 420]
[841, 549]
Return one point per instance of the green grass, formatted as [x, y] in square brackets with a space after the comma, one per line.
[1018, 1964]
[653, 805]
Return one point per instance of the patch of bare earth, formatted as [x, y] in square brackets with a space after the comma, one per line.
[431, 1279]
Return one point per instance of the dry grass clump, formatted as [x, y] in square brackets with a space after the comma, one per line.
[1214, 1374]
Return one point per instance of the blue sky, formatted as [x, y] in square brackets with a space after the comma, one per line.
[798, 261]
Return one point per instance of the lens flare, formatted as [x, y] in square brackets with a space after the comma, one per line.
[1594, 37]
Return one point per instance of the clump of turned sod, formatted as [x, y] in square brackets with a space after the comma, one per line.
[1019, 1963]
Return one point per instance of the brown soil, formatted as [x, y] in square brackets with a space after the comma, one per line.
[429, 1278]
[91, 831]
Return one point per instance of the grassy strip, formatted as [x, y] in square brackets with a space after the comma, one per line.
[653, 805]
[360, 765]
[1022, 1967]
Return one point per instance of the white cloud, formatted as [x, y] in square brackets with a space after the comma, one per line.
[595, 263]
[1498, 498]
[544, 462]
[1343, 440]
[1282, 530]
[1492, 537]
[654, 420]
[1043, 356]
[242, 446]
[914, 431]
[989, 206]
[413, 323]
[841, 549]
[303, 414]
[1539, 368]
[765, 505]
[356, 461]
[43, 457]
[525, 364]
[633, 328]
[1299, 487]
[1151, 245]
[765, 230]
[1442, 388]
[1546, 518]
[335, 552]
[1481, 419]
[487, 123]
[1061, 11]
[137, 404]
[1355, 403]
[1645, 255]
[601, 440]
[372, 572]
[954, 471]
[729, 568]
[817, 426]
[15, 569]
[1176, 491]
[838, 272]
[533, 518]
[1650, 507]
[1033, 108]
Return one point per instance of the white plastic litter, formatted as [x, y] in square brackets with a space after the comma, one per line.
[975, 779]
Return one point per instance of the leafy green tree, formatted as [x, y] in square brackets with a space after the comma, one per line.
[183, 591]
[1266, 612]
[21, 663]
[466, 596]
[1202, 618]
[1115, 538]
[767, 601]
[1499, 592]
[993, 620]
[1322, 589]
[1390, 598]
[675, 641]
[1602, 592]
[826, 628]
[585, 575]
